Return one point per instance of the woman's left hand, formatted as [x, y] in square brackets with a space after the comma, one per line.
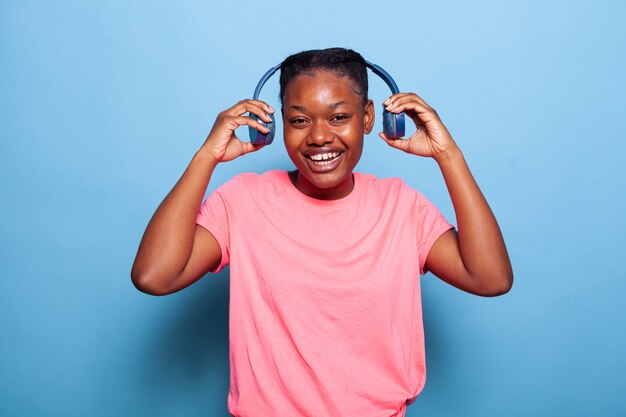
[431, 139]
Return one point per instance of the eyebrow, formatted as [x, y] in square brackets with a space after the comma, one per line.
[330, 106]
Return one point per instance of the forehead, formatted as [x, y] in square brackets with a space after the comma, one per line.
[321, 85]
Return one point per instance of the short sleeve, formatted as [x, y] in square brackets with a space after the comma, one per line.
[429, 225]
[216, 215]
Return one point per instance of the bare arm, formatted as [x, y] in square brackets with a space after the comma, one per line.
[175, 252]
[475, 259]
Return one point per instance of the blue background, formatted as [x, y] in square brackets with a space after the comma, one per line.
[103, 104]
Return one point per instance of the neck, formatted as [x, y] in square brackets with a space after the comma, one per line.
[341, 190]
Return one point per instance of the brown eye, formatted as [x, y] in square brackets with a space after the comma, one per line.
[298, 121]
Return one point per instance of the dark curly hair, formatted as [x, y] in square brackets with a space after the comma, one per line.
[341, 61]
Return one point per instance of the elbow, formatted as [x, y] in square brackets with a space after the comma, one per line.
[496, 291]
[498, 286]
[148, 283]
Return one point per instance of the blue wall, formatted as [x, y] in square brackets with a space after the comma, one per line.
[103, 105]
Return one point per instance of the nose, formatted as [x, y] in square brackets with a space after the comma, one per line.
[320, 134]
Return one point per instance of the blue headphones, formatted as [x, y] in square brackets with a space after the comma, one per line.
[393, 124]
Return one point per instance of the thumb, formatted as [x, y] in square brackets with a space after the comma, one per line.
[401, 144]
[247, 147]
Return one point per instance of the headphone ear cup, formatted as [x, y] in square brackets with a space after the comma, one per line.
[261, 138]
[393, 124]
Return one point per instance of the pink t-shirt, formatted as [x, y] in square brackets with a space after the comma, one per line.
[325, 303]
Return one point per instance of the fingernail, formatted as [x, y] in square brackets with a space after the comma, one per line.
[386, 101]
[271, 109]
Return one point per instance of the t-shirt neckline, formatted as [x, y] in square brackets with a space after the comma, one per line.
[316, 201]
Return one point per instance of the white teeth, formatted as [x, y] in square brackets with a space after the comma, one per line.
[324, 156]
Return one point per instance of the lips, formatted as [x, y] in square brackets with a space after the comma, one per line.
[323, 161]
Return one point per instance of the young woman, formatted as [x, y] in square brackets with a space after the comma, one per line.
[325, 304]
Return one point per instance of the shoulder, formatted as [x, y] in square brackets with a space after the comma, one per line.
[394, 189]
[252, 179]
[253, 185]
[268, 179]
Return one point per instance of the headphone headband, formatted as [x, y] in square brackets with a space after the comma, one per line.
[375, 69]
[393, 124]
[263, 79]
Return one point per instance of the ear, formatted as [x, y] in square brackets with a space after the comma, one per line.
[368, 117]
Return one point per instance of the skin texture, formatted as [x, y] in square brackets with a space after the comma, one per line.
[323, 114]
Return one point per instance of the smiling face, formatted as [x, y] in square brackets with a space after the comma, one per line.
[325, 120]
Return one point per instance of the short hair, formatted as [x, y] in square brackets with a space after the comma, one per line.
[341, 61]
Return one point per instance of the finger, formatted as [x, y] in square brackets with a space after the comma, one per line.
[258, 103]
[263, 107]
[256, 107]
[418, 99]
[395, 104]
[419, 113]
[404, 100]
[395, 97]
[238, 121]
[403, 97]
[258, 111]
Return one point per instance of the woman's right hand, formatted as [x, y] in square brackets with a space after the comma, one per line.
[222, 144]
